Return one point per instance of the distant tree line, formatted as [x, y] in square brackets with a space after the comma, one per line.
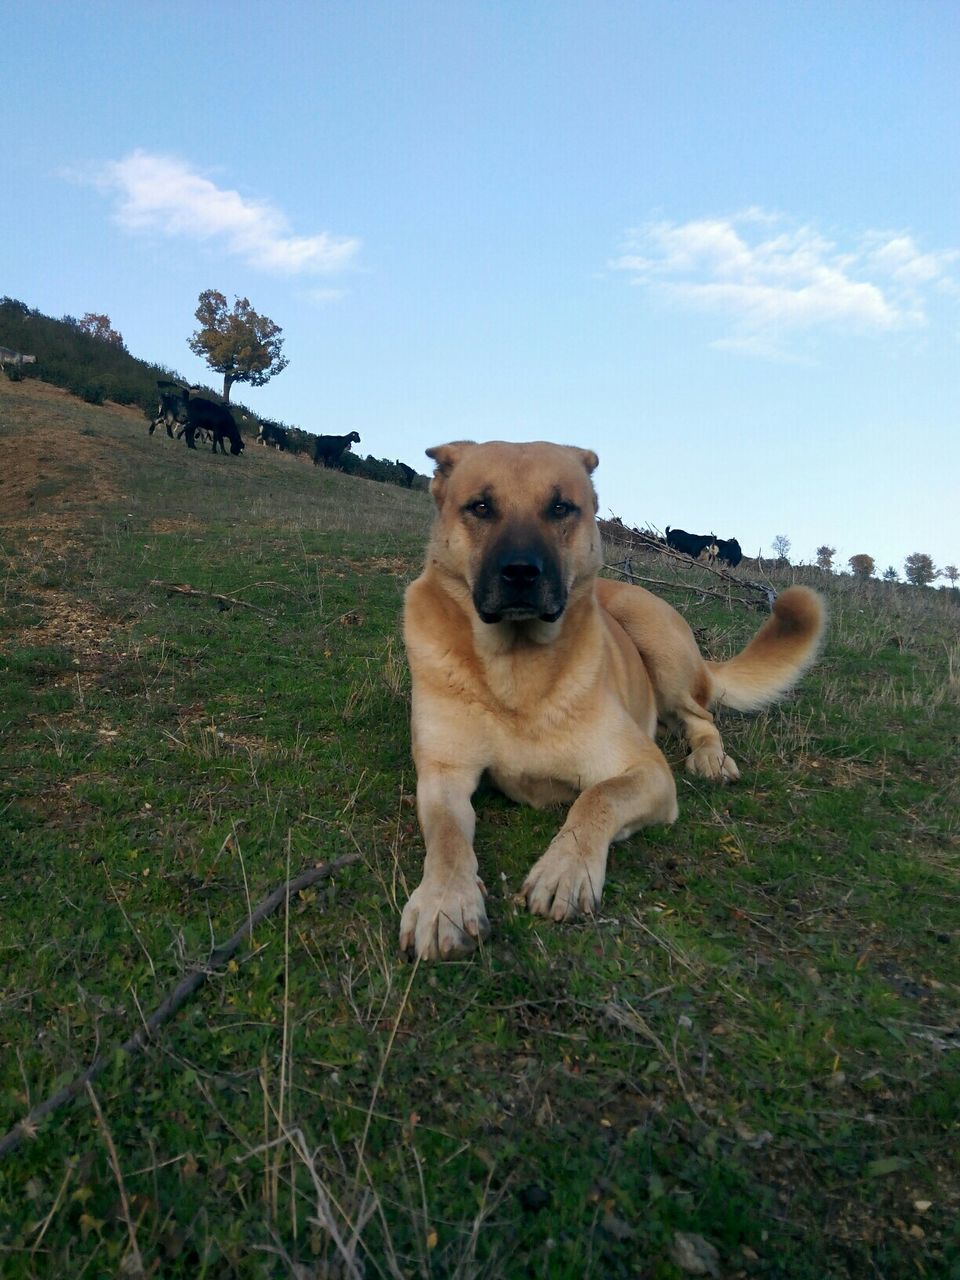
[918, 568]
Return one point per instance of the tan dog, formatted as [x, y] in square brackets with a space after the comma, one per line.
[529, 668]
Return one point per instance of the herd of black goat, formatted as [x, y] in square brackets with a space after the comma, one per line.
[190, 416]
[186, 414]
[723, 550]
[698, 546]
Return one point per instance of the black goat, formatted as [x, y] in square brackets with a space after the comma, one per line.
[172, 409]
[329, 449]
[689, 544]
[272, 435]
[195, 415]
[728, 552]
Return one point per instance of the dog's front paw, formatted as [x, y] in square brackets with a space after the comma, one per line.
[713, 763]
[444, 921]
[564, 883]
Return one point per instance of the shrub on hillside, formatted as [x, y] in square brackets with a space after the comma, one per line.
[370, 468]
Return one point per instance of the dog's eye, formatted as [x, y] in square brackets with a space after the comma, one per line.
[482, 509]
[560, 510]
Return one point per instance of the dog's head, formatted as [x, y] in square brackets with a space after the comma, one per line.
[516, 524]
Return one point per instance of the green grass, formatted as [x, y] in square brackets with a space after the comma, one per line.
[756, 1043]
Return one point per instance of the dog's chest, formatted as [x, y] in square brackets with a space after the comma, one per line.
[546, 759]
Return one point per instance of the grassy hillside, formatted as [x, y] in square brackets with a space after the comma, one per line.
[746, 1065]
[100, 371]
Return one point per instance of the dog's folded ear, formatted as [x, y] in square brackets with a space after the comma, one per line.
[446, 456]
[589, 460]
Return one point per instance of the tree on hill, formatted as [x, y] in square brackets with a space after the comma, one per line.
[951, 573]
[781, 547]
[862, 566]
[918, 569]
[890, 574]
[825, 556]
[239, 343]
[99, 327]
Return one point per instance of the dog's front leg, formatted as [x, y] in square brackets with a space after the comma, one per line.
[568, 879]
[445, 918]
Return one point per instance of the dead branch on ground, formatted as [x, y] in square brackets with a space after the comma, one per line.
[225, 602]
[768, 595]
[184, 989]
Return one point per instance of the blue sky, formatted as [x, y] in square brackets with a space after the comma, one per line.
[717, 242]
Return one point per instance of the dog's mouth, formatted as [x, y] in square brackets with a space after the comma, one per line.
[519, 613]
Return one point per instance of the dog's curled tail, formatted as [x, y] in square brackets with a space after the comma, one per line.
[777, 656]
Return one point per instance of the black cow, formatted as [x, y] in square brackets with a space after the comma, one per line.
[329, 449]
[272, 435]
[195, 415]
[689, 544]
[408, 474]
[728, 552]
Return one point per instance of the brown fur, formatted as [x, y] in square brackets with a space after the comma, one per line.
[556, 696]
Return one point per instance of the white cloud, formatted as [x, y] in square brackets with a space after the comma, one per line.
[770, 278]
[323, 296]
[164, 195]
[896, 255]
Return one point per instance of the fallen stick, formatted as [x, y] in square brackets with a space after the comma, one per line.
[184, 589]
[769, 596]
[27, 1127]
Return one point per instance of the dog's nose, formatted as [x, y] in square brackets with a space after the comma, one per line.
[521, 571]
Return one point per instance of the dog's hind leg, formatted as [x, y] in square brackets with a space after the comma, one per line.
[568, 880]
[707, 758]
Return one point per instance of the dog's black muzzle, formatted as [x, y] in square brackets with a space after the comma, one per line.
[519, 579]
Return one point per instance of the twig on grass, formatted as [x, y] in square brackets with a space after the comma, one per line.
[184, 989]
[137, 1258]
[58, 1200]
[768, 595]
[226, 602]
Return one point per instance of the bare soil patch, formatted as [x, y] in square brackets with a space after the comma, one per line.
[58, 464]
[56, 455]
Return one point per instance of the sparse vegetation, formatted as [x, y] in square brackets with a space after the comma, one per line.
[750, 1051]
